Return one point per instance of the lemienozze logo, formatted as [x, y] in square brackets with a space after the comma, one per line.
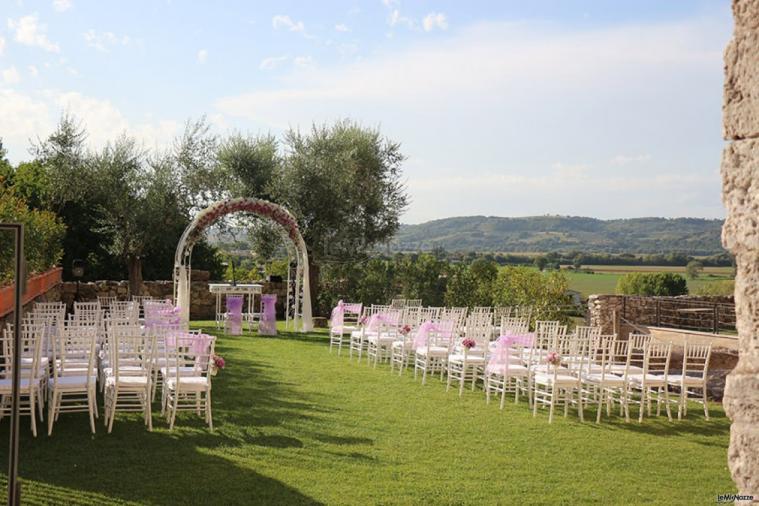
[734, 497]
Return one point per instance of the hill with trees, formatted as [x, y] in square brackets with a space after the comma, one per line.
[694, 236]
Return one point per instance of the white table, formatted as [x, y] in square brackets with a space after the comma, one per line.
[224, 289]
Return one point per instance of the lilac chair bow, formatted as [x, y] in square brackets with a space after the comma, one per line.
[378, 319]
[268, 324]
[234, 314]
[499, 359]
[444, 327]
[338, 314]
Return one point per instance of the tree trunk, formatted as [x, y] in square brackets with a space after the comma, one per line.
[313, 279]
[134, 266]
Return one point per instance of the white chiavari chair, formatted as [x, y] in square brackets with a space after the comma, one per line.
[358, 342]
[652, 382]
[431, 355]
[380, 334]
[506, 372]
[350, 322]
[72, 385]
[604, 387]
[128, 383]
[187, 384]
[561, 383]
[31, 401]
[467, 363]
[692, 380]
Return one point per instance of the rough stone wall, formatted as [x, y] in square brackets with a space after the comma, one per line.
[605, 311]
[740, 193]
[202, 301]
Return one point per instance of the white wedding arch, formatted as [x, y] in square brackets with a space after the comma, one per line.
[270, 211]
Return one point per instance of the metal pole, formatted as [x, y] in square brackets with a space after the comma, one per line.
[14, 487]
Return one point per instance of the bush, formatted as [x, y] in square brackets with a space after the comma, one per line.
[652, 283]
[471, 285]
[43, 238]
[717, 288]
[546, 293]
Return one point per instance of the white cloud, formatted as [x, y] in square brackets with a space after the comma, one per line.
[33, 71]
[390, 3]
[29, 32]
[626, 159]
[340, 27]
[28, 116]
[202, 56]
[2, 45]
[22, 118]
[397, 19]
[435, 20]
[102, 41]
[284, 21]
[594, 93]
[304, 62]
[272, 62]
[11, 75]
[61, 5]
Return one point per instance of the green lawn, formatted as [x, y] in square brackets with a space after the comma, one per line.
[297, 425]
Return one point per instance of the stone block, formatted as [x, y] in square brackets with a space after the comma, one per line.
[741, 89]
[740, 194]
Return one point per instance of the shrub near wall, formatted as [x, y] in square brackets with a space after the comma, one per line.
[652, 283]
[43, 236]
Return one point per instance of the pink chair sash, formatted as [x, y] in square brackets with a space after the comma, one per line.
[268, 324]
[197, 343]
[499, 359]
[378, 319]
[338, 314]
[234, 314]
[444, 327]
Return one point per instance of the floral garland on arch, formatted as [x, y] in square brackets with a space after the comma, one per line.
[263, 208]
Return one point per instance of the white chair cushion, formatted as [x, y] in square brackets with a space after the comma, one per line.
[71, 382]
[513, 370]
[649, 378]
[471, 359]
[678, 379]
[548, 379]
[127, 381]
[183, 371]
[125, 369]
[434, 351]
[608, 378]
[194, 383]
[620, 369]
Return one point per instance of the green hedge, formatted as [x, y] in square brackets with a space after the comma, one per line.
[43, 237]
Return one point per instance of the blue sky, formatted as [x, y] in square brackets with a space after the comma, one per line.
[608, 109]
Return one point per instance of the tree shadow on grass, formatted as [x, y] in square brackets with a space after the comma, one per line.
[190, 465]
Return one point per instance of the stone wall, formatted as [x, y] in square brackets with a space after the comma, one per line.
[740, 193]
[202, 301]
[606, 311]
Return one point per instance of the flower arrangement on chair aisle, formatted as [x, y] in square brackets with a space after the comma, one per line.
[405, 330]
[553, 358]
[468, 343]
[217, 363]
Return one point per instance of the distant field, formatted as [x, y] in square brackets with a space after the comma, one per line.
[720, 271]
[604, 279]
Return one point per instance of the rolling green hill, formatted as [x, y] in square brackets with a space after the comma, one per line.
[695, 236]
